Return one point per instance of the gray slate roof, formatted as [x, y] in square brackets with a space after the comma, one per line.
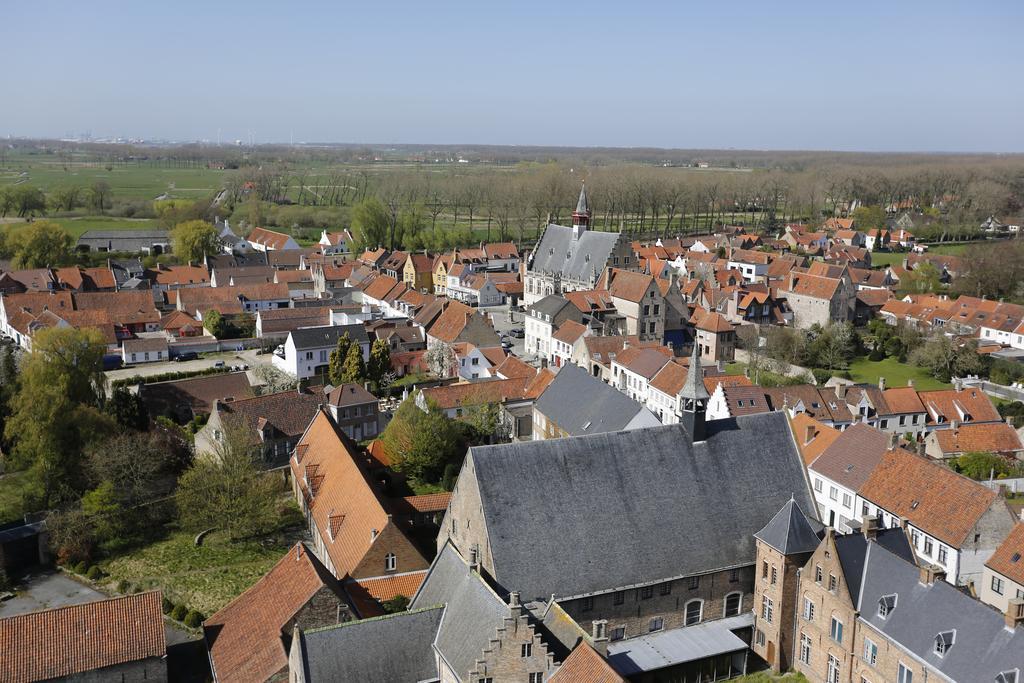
[853, 548]
[790, 532]
[581, 404]
[318, 337]
[983, 647]
[472, 614]
[551, 305]
[391, 648]
[558, 252]
[123, 240]
[571, 516]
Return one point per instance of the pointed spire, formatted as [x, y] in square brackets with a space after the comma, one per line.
[790, 531]
[582, 206]
[693, 388]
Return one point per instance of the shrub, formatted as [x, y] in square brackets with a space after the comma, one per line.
[821, 376]
[179, 612]
[399, 603]
[80, 567]
[166, 605]
[94, 573]
[123, 586]
[193, 619]
[876, 355]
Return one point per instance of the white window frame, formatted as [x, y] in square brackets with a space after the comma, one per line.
[725, 604]
[700, 612]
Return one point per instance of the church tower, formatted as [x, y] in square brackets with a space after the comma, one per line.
[581, 216]
[695, 399]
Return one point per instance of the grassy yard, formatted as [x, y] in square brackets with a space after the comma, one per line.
[206, 577]
[77, 226]
[881, 259]
[11, 488]
[769, 677]
[129, 181]
[896, 374]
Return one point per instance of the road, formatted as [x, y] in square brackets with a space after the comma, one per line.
[249, 357]
[502, 324]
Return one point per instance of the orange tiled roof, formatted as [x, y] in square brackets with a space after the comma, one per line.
[367, 594]
[244, 638]
[65, 641]
[929, 495]
[902, 400]
[959, 405]
[1008, 559]
[451, 322]
[822, 436]
[268, 238]
[569, 331]
[514, 367]
[627, 285]
[994, 437]
[585, 665]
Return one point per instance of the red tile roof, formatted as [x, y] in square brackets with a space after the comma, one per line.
[929, 495]
[1008, 559]
[585, 665]
[268, 238]
[65, 641]
[245, 639]
[994, 437]
[367, 594]
[966, 405]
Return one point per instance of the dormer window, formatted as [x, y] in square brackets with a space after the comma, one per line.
[1008, 676]
[886, 604]
[944, 641]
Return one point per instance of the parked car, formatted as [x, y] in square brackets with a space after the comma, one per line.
[187, 355]
[219, 364]
[506, 345]
[517, 332]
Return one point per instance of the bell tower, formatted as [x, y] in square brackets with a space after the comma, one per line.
[581, 216]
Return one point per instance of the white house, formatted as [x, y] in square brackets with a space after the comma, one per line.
[145, 350]
[336, 242]
[307, 351]
[261, 239]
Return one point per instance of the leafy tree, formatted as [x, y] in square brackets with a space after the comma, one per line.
[194, 239]
[215, 324]
[56, 410]
[28, 200]
[440, 360]
[868, 217]
[71, 535]
[128, 409]
[422, 442]
[228, 489]
[380, 362]
[922, 279]
[7, 201]
[105, 513]
[945, 359]
[40, 244]
[336, 363]
[980, 465]
[370, 223]
[399, 603]
[354, 370]
[66, 198]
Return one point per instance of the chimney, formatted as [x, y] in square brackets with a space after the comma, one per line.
[869, 526]
[301, 386]
[809, 434]
[599, 636]
[474, 557]
[958, 384]
[930, 573]
[921, 445]
[514, 605]
[881, 384]
[910, 382]
[543, 363]
[954, 425]
[894, 440]
[1014, 613]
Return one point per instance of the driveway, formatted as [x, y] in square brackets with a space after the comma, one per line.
[52, 589]
[249, 357]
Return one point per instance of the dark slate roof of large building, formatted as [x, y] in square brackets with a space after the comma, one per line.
[982, 645]
[580, 259]
[790, 532]
[572, 516]
[473, 612]
[123, 240]
[316, 337]
[581, 404]
[551, 305]
[853, 548]
[397, 647]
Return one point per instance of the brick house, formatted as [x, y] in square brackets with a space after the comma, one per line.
[990, 437]
[818, 299]
[355, 411]
[638, 301]
[715, 337]
[114, 639]
[248, 639]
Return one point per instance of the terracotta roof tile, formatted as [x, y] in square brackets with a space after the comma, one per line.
[569, 331]
[903, 400]
[966, 405]
[367, 594]
[1008, 559]
[65, 641]
[814, 442]
[268, 238]
[994, 437]
[513, 367]
[929, 495]
[585, 665]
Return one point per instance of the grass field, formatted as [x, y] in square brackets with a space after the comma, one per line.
[77, 226]
[895, 373]
[129, 181]
[206, 577]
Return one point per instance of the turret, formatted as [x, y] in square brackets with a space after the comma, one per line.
[695, 397]
[581, 216]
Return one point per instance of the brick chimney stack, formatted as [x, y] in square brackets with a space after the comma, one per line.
[1014, 613]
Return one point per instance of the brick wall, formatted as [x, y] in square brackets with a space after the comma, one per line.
[389, 540]
[504, 659]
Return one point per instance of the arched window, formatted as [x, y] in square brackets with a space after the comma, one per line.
[390, 562]
[733, 604]
[694, 612]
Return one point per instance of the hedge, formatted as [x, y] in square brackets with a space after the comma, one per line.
[194, 619]
[167, 376]
[179, 612]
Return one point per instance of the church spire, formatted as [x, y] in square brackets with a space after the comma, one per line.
[581, 216]
[695, 397]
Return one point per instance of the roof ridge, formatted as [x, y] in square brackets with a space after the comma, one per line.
[381, 617]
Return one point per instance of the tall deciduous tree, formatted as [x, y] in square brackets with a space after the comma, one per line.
[100, 195]
[194, 239]
[336, 364]
[380, 361]
[40, 244]
[371, 223]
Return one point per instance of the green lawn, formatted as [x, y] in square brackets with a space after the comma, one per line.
[12, 486]
[896, 374]
[205, 578]
[769, 677]
[881, 259]
[128, 181]
[77, 226]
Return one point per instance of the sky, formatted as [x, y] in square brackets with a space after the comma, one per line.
[870, 76]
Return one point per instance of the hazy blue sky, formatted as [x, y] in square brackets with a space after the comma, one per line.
[903, 75]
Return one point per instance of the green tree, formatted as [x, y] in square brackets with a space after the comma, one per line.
[105, 513]
[370, 223]
[56, 411]
[215, 324]
[354, 369]
[867, 217]
[228, 489]
[422, 442]
[66, 198]
[28, 200]
[380, 361]
[922, 279]
[981, 465]
[128, 409]
[945, 358]
[336, 362]
[40, 244]
[194, 239]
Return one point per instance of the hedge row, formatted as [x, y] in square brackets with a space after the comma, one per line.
[168, 376]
